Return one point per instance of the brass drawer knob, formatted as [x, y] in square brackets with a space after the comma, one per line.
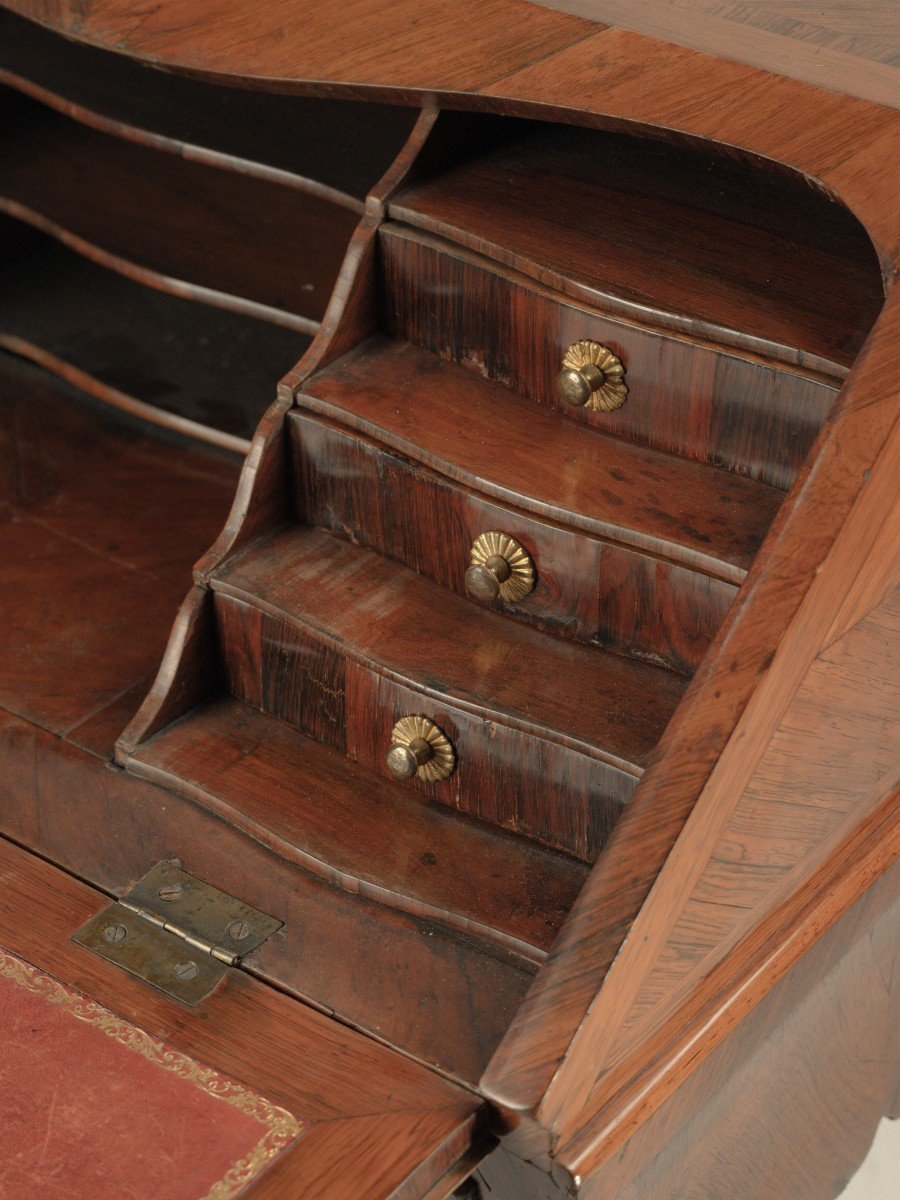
[501, 567]
[419, 747]
[592, 377]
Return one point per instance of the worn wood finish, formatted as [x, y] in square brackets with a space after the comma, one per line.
[329, 637]
[81, 568]
[586, 589]
[666, 235]
[805, 589]
[481, 435]
[818, 1054]
[607, 75]
[199, 223]
[444, 996]
[288, 138]
[123, 342]
[381, 1125]
[371, 838]
[574, 1089]
[90, 583]
[685, 397]
[732, 673]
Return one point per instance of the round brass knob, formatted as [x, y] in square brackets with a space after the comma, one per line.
[592, 377]
[419, 747]
[501, 568]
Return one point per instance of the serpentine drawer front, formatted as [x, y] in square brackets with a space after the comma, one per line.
[446, 461]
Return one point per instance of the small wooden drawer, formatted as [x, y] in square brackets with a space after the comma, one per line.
[549, 737]
[585, 588]
[686, 396]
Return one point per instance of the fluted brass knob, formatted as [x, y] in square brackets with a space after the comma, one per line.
[592, 377]
[501, 567]
[419, 747]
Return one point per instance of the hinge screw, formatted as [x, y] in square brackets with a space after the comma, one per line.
[114, 933]
[238, 930]
[186, 970]
[170, 891]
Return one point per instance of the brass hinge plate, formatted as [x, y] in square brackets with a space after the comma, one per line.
[176, 932]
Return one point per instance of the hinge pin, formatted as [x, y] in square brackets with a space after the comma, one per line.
[135, 932]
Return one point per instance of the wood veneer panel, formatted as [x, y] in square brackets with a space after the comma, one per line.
[485, 437]
[475, 41]
[805, 1078]
[586, 589]
[686, 396]
[377, 611]
[849, 48]
[212, 366]
[231, 233]
[360, 832]
[380, 1122]
[663, 232]
[330, 637]
[292, 135]
[864, 534]
[806, 553]
[551, 63]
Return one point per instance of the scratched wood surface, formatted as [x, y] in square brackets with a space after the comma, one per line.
[808, 587]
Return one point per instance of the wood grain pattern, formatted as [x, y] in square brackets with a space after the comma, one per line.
[443, 996]
[78, 569]
[373, 611]
[802, 1061]
[686, 396]
[669, 236]
[846, 147]
[379, 1120]
[804, 534]
[607, 75]
[734, 772]
[299, 641]
[70, 472]
[371, 838]
[849, 48]
[244, 131]
[586, 589]
[817, 1055]
[481, 435]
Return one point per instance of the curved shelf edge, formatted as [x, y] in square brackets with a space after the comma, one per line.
[186, 150]
[154, 279]
[117, 399]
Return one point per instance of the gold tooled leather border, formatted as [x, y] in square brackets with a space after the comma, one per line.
[281, 1126]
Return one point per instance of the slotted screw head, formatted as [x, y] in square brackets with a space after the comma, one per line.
[170, 891]
[114, 933]
[238, 930]
[185, 970]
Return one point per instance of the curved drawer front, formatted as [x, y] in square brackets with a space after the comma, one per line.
[685, 396]
[585, 588]
[517, 780]
[549, 737]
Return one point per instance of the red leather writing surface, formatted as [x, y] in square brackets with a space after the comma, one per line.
[93, 1108]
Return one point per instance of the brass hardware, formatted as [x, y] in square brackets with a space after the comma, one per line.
[593, 377]
[419, 747]
[139, 935]
[501, 567]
